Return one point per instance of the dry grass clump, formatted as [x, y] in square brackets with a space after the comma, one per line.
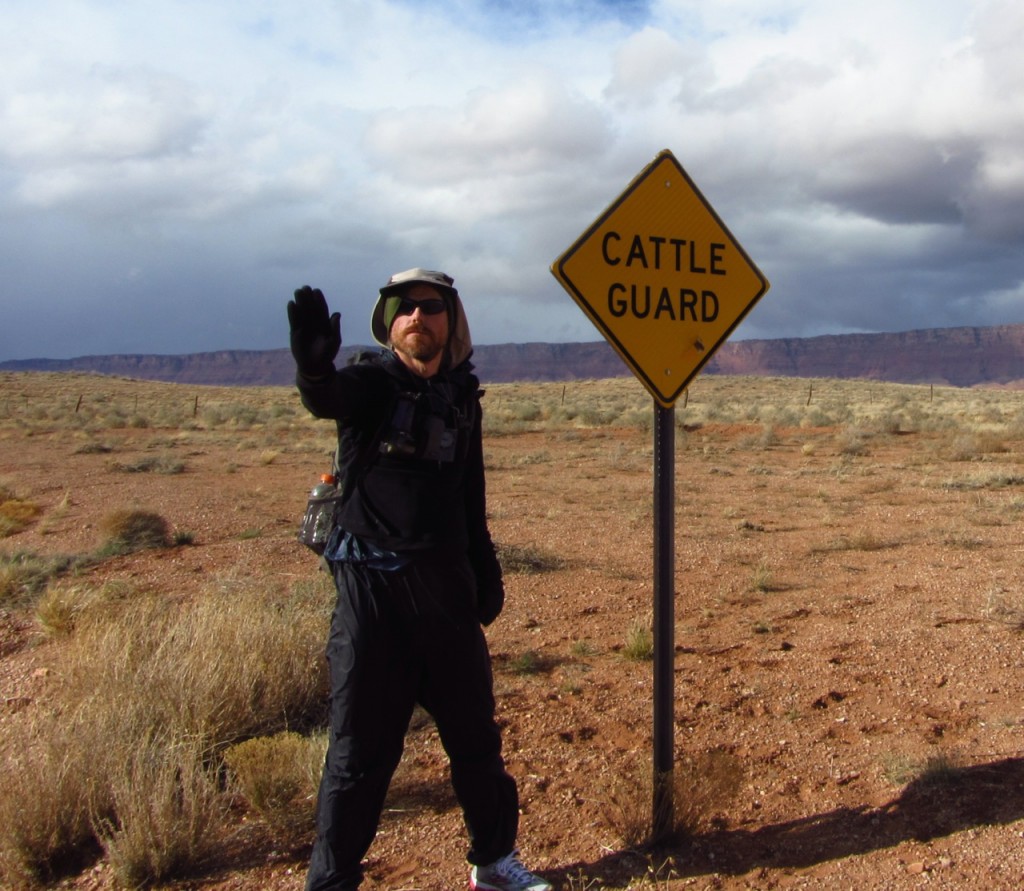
[164, 464]
[996, 480]
[66, 603]
[863, 540]
[704, 786]
[278, 777]
[767, 438]
[972, 447]
[221, 668]
[762, 578]
[94, 447]
[527, 559]
[48, 789]
[934, 771]
[639, 646]
[853, 442]
[126, 757]
[126, 530]
[48, 525]
[530, 662]
[269, 456]
[15, 513]
[24, 575]
[82, 782]
[167, 812]
[1005, 608]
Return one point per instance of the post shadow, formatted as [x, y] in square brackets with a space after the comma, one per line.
[941, 803]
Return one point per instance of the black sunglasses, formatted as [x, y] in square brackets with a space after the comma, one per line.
[406, 306]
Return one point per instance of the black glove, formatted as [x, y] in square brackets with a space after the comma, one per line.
[490, 600]
[490, 586]
[315, 333]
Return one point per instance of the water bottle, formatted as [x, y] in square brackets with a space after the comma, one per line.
[319, 518]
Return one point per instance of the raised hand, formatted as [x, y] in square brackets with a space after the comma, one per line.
[315, 333]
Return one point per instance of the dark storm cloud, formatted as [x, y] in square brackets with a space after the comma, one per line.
[899, 178]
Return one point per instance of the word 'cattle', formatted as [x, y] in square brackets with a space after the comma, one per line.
[657, 252]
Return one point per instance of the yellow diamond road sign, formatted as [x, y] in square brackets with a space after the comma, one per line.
[662, 278]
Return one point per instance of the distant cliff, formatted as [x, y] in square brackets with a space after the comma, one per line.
[961, 357]
[224, 367]
[495, 364]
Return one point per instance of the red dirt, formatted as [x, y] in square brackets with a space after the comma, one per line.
[836, 616]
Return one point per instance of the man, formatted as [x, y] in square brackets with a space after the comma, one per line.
[416, 574]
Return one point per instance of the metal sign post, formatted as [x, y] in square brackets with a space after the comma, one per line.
[663, 807]
[665, 282]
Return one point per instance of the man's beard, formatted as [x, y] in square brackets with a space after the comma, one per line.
[419, 343]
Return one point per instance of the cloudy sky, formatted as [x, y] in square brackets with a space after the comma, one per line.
[170, 170]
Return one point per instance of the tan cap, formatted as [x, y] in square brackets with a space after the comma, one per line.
[420, 276]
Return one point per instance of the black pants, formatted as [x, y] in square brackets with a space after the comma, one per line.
[399, 638]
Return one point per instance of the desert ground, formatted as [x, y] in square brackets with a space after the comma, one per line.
[849, 619]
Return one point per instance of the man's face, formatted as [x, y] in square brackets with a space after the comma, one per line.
[417, 334]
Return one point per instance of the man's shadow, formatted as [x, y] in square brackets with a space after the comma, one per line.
[942, 802]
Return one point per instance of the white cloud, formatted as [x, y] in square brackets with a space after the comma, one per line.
[521, 130]
[103, 112]
[651, 63]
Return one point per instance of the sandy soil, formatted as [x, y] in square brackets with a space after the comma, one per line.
[848, 674]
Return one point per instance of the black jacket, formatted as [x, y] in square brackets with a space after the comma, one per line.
[410, 461]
